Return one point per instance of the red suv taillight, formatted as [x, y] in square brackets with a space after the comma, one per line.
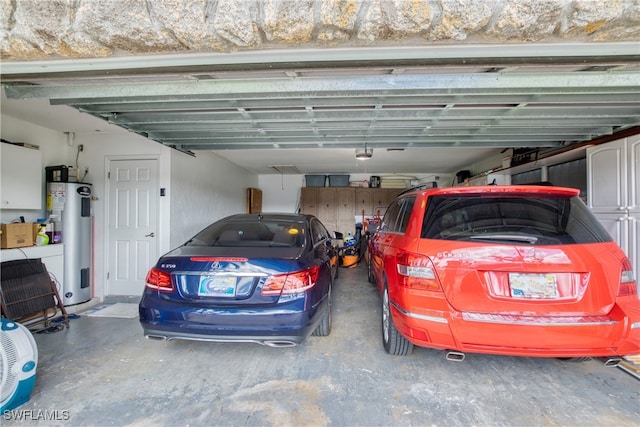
[291, 283]
[417, 271]
[628, 284]
[159, 280]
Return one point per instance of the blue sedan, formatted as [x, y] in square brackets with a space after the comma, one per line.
[261, 278]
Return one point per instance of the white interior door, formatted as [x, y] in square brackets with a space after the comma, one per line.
[133, 222]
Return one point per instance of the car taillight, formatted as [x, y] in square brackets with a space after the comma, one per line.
[417, 271]
[628, 284]
[291, 283]
[159, 280]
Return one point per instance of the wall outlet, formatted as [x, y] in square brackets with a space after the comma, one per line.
[81, 147]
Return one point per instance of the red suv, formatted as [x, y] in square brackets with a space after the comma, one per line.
[509, 270]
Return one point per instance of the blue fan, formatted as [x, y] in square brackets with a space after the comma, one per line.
[18, 361]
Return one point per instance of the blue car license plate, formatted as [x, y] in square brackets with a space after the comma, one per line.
[217, 286]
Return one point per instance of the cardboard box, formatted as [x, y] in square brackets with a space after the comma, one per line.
[16, 235]
[36, 230]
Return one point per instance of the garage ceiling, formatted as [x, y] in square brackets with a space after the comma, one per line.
[414, 102]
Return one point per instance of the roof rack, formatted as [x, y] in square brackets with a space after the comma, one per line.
[426, 186]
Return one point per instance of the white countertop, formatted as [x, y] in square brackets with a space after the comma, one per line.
[32, 252]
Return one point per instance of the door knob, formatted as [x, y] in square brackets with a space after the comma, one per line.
[150, 235]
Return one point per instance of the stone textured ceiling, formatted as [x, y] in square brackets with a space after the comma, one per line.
[37, 29]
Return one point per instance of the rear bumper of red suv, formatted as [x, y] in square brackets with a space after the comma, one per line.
[617, 334]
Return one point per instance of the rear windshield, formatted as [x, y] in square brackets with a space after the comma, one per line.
[251, 234]
[524, 218]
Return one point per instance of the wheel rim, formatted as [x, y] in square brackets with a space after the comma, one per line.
[385, 316]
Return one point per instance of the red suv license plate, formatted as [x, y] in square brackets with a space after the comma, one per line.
[217, 286]
[542, 286]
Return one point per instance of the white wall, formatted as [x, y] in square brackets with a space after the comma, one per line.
[487, 164]
[204, 189]
[280, 193]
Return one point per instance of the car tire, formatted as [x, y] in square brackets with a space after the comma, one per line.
[324, 327]
[393, 342]
[370, 277]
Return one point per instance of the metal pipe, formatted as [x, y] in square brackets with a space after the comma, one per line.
[612, 362]
[455, 356]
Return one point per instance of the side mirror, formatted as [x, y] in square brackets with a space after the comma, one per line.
[372, 228]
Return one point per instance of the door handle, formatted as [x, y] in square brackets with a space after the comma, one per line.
[150, 235]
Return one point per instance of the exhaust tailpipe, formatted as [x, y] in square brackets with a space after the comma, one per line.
[156, 337]
[279, 343]
[455, 356]
[612, 362]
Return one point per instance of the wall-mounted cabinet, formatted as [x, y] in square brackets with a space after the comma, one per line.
[309, 201]
[613, 171]
[344, 209]
[254, 200]
[338, 207]
[374, 201]
[327, 210]
[364, 200]
[20, 177]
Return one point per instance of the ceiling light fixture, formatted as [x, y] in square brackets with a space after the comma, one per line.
[364, 153]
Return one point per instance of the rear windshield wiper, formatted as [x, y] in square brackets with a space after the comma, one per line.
[508, 237]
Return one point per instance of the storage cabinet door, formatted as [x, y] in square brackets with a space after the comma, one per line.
[254, 200]
[364, 201]
[380, 201]
[633, 243]
[345, 200]
[633, 202]
[607, 177]
[21, 180]
[345, 204]
[309, 201]
[633, 173]
[390, 195]
[327, 205]
[327, 209]
[618, 228]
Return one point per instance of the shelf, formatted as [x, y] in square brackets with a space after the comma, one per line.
[32, 252]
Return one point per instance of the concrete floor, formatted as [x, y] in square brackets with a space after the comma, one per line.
[101, 372]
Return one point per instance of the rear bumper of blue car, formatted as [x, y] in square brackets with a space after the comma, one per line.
[286, 324]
